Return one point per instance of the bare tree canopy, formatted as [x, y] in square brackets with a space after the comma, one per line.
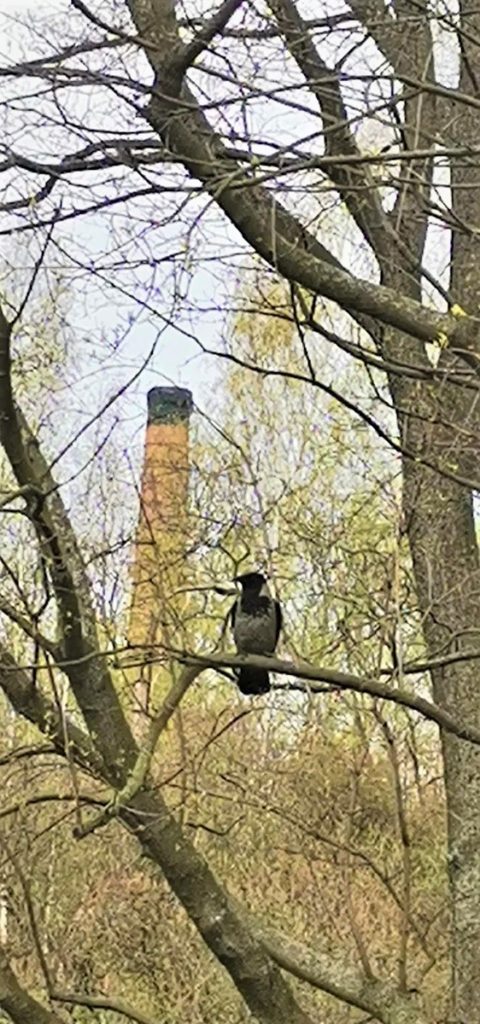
[278, 202]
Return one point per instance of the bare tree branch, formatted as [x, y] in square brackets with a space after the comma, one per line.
[340, 980]
[29, 627]
[342, 681]
[93, 688]
[444, 470]
[379, 21]
[103, 1003]
[30, 703]
[20, 1006]
[138, 775]
[365, 206]
[271, 230]
[204, 36]
[46, 798]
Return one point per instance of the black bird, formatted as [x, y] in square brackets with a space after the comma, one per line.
[256, 620]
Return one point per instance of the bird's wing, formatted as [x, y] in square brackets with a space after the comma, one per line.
[278, 620]
[231, 615]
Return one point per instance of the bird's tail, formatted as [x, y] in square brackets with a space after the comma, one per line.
[253, 680]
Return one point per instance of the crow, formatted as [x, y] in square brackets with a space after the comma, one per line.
[256, 620]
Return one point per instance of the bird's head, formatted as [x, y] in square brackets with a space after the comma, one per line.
[251, 581]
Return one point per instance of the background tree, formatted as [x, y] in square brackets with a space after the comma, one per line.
[248, 119]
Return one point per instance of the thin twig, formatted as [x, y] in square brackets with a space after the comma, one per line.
[103, 1003]
[30, 912]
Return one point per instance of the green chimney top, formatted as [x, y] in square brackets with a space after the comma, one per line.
[169, 404]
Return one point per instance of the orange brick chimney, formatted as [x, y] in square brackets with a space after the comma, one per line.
[159, 560]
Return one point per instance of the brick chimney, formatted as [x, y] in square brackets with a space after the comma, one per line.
[161, 539]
